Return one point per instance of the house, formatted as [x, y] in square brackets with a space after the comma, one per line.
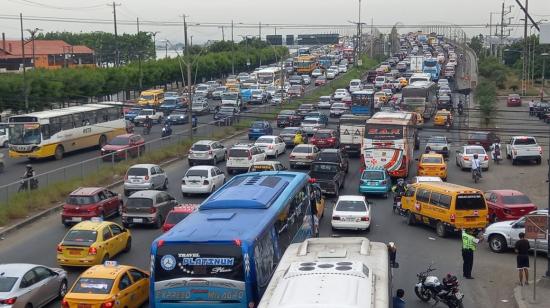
[48, 54]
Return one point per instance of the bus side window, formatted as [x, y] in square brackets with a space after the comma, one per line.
[55, 125]
[66, 122]
[114, 113]
[265, 260]
[77, 120]
[45, 128]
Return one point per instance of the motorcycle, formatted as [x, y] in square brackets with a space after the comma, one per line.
[397, 209]
[166, 131]
[27, 183]
[429, 287]
[497, 157]
[476, 175]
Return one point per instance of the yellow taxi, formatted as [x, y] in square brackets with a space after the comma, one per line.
[380, 97]
[441, 117]
[93, 242]
[403, 82]
[108, 286]
[432, 164]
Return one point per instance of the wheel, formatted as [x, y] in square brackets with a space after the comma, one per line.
[128, 245]
[411, 220]
[457, 164]
[440, 229]
[423, 294]
[126, 193]
[5, 144]
[367, 229]
[59, 151]
[102, 141]
[62, 289]
[508, 156]
[158, 223]
[101, 215]
[497, 243]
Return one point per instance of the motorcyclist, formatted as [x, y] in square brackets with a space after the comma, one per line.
[29, 173]
[29, 182]
[496, 150]
[400, 188]
[298, 139]
[148, 122]
[167, 129]
[476, 165]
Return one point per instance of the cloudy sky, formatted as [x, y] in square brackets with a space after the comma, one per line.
[96, 15]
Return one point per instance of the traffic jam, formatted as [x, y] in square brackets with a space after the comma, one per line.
[392, 134]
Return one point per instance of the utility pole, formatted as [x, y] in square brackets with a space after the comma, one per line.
[139, 59]
[525, 49]
[25, 92]
[117, 53]
[189, 91]
[359, 34]
[223, 33]
[33, 32]
[371, 35]
[260, 31]
[232, 50]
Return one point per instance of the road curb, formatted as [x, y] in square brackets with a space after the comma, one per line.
[518, 298]
[32, 219]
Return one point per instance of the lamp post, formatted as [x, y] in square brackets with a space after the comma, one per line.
[547, 275]
[33, 32]
[543, 55]
[154, 35]
[245, 38]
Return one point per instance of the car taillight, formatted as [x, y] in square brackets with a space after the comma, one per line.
[205, 182]
[453, 217]
[92, 251]
[270, 146]
[8, 301]
[332, 139]
[335, 217]
[59, 248]
[442, 168]
[210, 152]
[147, 178]
[466, 158]
[64, 303]
[366, 218]
[486, 157]
[152, 210]
[109, 304]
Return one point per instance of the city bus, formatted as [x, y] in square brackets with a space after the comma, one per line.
[348, 54]
[305, 65]
[53, 133]
[421, 97]
[362, 102]
[351, 272]
[152, 97]
[389, 142]
[224, 254]
[269, 77]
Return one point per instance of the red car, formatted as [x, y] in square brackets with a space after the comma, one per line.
[325, 138]
[87, 202]
[123, 146]
[321, 81]
[514, 100]
[177, 214]
[485, 139]
[507, 204]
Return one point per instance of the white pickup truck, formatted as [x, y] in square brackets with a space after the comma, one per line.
[523, 148]
[155, 116]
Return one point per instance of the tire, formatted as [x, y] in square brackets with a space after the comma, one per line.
[423, 296]
[440, 229]
[456, 161]
[508, 156]
[62, 289]
[102, 141]
[411, 220]
[59, 152]
[128, 245]
[126, 193]
[5, 144]
[497, 243]
[159, 222]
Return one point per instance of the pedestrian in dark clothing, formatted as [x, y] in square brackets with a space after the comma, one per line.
[522, 249]
[469, 244]
[398, 301]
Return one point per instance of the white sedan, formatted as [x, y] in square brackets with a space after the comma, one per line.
[340, 93]
[202, 180]
[272, 145]
[331, 74]
[465, 155]
[351, 212]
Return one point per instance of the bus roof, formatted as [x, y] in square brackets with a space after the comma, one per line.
[354, 269]
[46, 114]
[240, 209]
[448, 187]
[269, 70]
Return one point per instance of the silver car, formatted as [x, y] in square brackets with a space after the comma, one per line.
[303, 155]
[438, 144]
[310, 125]
[148, 207]
[30, 285]
[145, 177]
[207, 152]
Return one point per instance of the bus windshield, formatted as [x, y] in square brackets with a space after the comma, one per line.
[24, 133]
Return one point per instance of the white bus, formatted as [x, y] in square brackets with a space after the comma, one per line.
[56, 132]
[269, 77]
[351, 272]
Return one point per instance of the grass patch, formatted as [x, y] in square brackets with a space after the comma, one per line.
[21, 204]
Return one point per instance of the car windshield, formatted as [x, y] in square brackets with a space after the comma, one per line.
[525, 141]
[238, 153]
[432, 160]
[264, 140]
[322, 135]
[220, 89]
[139, 202]
[329, 168]
[83, 236]
[289, 131]
[310, 121]
[6, 283]
[120, 141]
[437, 140]
[372, 175]
[258, 125]
[138, 172]
[178, 113]
[477, 136]
[197, 172]
[175, 217]
[305, 149]
[93, 285]
[286, 112]
[351, 206]
[470, 202]
[82, 200]
[324, 99]
[200, 147]
[475, 151]
[516, 199]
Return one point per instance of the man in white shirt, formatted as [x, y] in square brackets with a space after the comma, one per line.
[531, 108]
[476, 165]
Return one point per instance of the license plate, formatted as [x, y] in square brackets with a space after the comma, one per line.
[84, 306]
[299, 163]
[138, 220]
[135, 181]
[351, 219]
[76, 219]
[371, 183]
[74, 252]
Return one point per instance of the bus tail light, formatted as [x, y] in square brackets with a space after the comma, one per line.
[237, 242]
[453, 217]
[59, 248]
[312, 180]
[92, 251]
[442, 168]
[160, 243]
[64, 303]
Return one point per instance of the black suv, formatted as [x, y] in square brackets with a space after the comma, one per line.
[334, 156]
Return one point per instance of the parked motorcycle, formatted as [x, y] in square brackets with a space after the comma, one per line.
[430, 288]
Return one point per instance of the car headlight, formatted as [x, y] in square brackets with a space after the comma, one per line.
[102, 150]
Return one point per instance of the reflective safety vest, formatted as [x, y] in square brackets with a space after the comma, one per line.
[468, 241]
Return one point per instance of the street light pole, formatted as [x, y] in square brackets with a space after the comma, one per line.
[547, 275]
[154, 35]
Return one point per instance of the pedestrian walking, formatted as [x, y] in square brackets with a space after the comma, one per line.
[531, 107]
[398, 301]
[522, 259]
[469, 244]
[392, 251]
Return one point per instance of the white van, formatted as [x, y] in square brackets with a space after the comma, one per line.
[355, 85]
[355, 273]
[379, 81]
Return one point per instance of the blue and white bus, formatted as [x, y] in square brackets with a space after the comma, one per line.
[224, 254]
